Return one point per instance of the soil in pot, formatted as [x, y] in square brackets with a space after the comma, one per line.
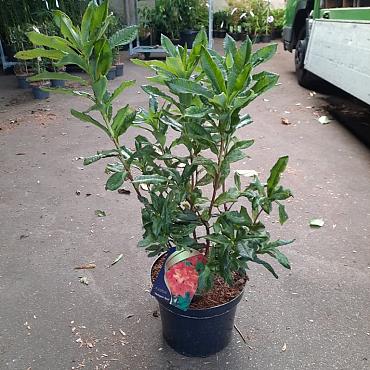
[119, 69]
[207, 326]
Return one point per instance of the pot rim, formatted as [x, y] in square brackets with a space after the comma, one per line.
[190, 310]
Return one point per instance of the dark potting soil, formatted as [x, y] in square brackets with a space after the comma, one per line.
[220, 293]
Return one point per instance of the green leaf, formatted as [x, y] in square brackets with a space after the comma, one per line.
[182, 86]
[230, 46]
[68, 30]
[231, 195]
[52, 42]
[150, 179]
[281, 258]
[86, 118]
[242, 144]
[104, 57]
[115, 181]
[234, 155]
[155, 91]
[218, 239]
[100, 88]
[212, 71]
[168, 46]
[245, 250]
[205, 280]
[267, 266]
[57, 76]
[263, 54]
[317, 222]
[265, 81]
[123, 120]
[283, 216]
[205, 180]
[275, 173]
[39, 53]
[123, 86]
[69, 59]
[123, 36]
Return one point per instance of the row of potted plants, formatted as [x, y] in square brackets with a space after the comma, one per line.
[25, 70]
[254, 18]
[180, 20]
[180, 165]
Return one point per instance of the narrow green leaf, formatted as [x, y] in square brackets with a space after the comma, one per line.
[150, 179]
[86, 118]
[100, 88]
[275, 173]
[123, 120]
[69, 59]
[212, 71]
[283, 216]
[168, 46]
[281, 258]
[155, 91]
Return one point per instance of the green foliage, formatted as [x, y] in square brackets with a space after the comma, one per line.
[181, 179]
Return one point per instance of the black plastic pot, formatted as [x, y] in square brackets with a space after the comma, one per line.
[266, 38]
[187, 37]
[111, 75]
[57, 83]
[276, 34]
[22, 81]
[198, 332]
[256, 39]
[39, 94]
[119, 69]
[235, 35]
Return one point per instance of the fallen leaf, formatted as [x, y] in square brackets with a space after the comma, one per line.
[324, 120]
[284, 347]
[117, 259]
[285, 121]
[122, 332]
[124, 191]
[83, 280]
[266, 100]
[156, 313]
[317, 222]
[100, 213]
[87, 266]
[247, 173]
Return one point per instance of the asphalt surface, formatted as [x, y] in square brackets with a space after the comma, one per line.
[314, 317]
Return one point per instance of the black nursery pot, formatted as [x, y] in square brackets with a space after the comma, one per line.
[111, 75]
[22, 81]
[57, 83]
[198, 332]
[119, 69]
[39, 94]
[187, 37]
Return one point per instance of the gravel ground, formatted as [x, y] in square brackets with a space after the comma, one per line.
[314, 317]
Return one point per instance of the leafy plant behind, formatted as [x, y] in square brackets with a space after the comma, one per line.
[181, 179]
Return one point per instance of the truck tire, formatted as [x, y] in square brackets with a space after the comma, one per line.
[305, 78]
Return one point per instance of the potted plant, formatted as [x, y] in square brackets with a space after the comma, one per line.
[182, 181]
[19, 42]
[220, 23]
[278, 23]
[145, 26]
[193, 15]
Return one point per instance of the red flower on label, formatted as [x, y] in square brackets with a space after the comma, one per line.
[182, 279]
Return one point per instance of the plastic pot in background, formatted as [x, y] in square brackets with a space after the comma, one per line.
[38, 93]
[57, 83]
[256, 38]
[119, 69]
[266, 38]
[198, 332]
[235, 35]
[22, 81]
[187, 37]
[111, 75]
[276, 34]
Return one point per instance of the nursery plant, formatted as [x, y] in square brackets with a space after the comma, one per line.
[182, 164]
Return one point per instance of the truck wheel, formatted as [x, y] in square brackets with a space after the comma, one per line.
[304, 77]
